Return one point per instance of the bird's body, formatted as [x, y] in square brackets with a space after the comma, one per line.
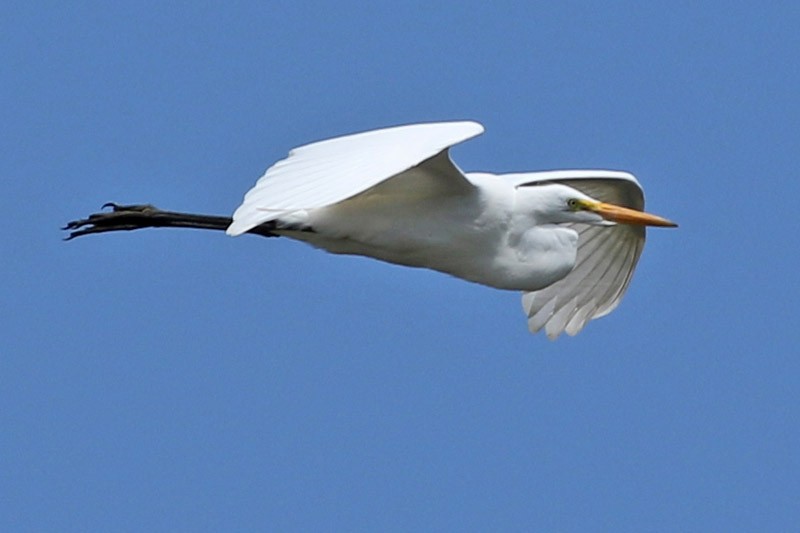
[421, 226]
[569, 239]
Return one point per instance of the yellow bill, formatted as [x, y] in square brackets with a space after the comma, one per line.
[624, 215]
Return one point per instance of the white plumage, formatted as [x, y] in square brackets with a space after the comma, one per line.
[394, 194]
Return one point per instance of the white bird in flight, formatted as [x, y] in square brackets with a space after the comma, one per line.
[568, 239]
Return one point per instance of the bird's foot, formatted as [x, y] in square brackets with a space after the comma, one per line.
[120, 218]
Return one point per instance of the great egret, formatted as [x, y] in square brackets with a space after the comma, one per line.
[569, 239]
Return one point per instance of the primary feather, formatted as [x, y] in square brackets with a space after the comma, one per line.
[606, 258]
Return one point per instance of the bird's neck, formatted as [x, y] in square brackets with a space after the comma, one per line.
[539, 256]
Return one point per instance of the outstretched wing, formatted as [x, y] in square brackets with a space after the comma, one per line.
[607, 256]
[326, 172]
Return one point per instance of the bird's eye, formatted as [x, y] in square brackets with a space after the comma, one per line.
[573, 204]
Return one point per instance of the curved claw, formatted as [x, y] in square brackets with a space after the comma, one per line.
[133, 208]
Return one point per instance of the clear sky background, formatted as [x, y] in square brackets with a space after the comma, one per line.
[184, 380]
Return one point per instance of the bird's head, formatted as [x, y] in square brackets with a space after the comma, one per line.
[558, 204]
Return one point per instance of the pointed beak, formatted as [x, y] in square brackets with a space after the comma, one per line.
[623, 215]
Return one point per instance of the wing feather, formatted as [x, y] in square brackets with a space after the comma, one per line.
[606, 259]
[326, 172]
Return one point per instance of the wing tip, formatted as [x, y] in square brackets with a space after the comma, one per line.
[472, 128]
[236, 228]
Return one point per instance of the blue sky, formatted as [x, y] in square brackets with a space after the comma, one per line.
[179, 380]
